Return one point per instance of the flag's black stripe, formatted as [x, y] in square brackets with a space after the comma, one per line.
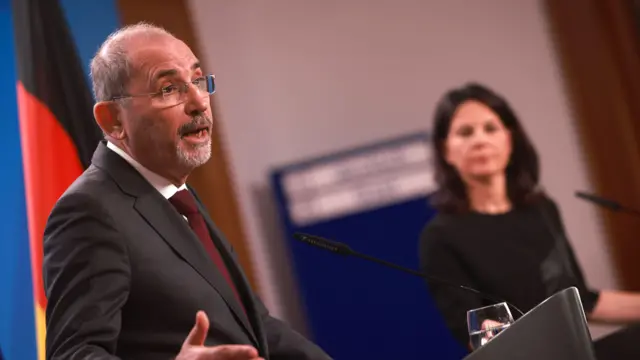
[49, 68]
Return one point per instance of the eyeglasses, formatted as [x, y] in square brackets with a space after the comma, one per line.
[173, 94]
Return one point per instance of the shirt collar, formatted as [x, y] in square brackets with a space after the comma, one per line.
[164, 186]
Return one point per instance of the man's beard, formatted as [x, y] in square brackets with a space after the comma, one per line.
[191, 155]
[196, 156]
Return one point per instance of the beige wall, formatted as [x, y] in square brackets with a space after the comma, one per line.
[302, 78]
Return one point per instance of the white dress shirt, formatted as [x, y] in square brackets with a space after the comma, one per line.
[164, 186]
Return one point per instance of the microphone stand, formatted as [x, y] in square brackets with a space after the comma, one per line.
[344, 249]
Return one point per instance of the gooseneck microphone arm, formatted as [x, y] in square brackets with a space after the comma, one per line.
[344, 249]
[607, 203]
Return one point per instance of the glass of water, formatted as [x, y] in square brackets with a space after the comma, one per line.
[486, 322]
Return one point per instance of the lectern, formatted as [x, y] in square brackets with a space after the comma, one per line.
[556, 329]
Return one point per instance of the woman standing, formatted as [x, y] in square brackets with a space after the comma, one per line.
[496, 230]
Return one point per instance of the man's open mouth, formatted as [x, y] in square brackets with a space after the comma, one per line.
[198, 132]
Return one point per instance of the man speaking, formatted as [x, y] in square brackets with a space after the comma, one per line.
[134, 268]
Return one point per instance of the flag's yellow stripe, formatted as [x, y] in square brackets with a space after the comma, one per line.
[40, 330]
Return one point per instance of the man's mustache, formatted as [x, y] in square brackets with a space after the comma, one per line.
[196, 123]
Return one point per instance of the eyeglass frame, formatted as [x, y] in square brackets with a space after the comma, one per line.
[182, 89]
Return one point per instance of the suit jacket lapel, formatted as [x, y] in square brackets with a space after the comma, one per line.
[177, 233]
[170, 225]
[234, 269]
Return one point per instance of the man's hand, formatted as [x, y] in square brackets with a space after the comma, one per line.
[193, 347]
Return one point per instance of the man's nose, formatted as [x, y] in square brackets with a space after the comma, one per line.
[196, 101]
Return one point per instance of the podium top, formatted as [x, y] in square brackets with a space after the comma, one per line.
[556, 329]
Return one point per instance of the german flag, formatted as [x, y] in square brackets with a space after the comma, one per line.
[58, 134]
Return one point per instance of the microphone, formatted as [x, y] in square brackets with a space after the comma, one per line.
[345, 250]
[607, 203]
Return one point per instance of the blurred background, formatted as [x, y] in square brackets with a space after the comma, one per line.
[323, 111]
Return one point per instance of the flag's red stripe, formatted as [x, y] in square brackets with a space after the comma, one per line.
[51, 164]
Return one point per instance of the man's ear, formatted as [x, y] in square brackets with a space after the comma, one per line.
[108, 116]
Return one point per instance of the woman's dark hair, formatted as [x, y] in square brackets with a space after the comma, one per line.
[523, 171]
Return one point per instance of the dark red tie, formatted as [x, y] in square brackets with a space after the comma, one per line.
[185, 203]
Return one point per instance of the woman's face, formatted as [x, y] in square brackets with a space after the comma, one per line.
[478, 144]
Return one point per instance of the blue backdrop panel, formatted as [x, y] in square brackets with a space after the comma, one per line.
[354, 308]
[17, 337]
[90, 23]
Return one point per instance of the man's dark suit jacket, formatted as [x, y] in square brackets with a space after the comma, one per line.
[125, 275]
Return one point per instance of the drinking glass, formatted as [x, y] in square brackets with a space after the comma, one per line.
[486, 322]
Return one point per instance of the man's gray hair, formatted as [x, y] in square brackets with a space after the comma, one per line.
[111, 68]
